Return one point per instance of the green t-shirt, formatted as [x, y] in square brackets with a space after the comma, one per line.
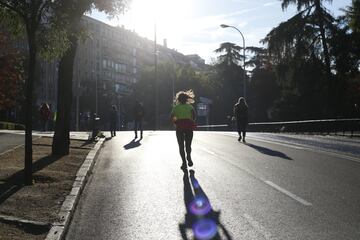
[182, 111]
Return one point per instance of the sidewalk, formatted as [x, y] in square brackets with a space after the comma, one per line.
[28, 212]
[73, 135]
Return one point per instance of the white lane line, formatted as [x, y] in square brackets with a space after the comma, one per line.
[258, 227]
[208, 151]
[280, 189]
[12, 149]
[288, 193]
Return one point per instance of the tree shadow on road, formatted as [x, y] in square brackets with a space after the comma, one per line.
[200, 217]
[268, 151]
[133, 144]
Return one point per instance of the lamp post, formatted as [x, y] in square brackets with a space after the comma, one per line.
[227, 26]
[77, 103]
[96, 94]
[156, 81]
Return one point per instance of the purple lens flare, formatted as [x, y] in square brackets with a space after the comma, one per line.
[200, 206]
[204, 229]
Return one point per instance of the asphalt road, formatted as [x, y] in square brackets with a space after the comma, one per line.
[272, 187]
[9, 141]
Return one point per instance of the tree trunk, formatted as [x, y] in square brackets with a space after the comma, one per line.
[29, 106]
[61, 141]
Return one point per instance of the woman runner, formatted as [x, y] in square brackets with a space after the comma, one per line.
[183, 115]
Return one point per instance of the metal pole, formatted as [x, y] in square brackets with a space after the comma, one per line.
[156, 84]
[77, 105]
[244, 76]
[173, 89]
[96, 95]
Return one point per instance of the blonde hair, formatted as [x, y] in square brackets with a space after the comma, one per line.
[184, 97]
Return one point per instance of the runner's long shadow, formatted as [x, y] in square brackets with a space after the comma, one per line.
[200, 217]
[268, 151]
[132, 144]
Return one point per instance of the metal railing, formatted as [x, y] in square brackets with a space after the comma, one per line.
[328, 126]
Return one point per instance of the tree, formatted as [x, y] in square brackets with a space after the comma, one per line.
[71, 12]
[346, 58]
[263, 87]
[11, 74]
[353, 15]
[231, 54]
[181, 77]
[305, 36]
[30, 14]
[230, 79]
[320, 18]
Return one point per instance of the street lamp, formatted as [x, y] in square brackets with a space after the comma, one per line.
[156, 81]
[96, 92]
[227, 26]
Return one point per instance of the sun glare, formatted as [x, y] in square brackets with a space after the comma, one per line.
[170, 17]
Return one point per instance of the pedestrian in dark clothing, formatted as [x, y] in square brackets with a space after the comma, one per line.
[183, 115]
[241, 116]
[45, 115]
[138, 118]
[113, 120]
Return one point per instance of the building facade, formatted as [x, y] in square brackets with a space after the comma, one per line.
[107, 64]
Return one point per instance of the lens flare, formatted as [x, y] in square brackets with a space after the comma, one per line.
[205, 229]
[196, 184]
[200, 206]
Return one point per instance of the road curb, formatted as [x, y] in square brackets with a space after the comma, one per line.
[67, 210]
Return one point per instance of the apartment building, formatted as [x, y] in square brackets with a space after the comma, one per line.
[108, 62]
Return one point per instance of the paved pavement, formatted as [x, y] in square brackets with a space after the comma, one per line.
[21, 133]
[269, 188]
[9, 141]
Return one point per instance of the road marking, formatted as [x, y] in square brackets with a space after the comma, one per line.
[12, 149]
[288, 193]
[208, 151]
[258, 227]
[280, 189]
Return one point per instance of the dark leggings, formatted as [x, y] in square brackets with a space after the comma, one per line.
[138, 126]
[187, 136]
[241, 128]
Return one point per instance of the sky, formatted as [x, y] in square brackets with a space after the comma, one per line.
[193, 26]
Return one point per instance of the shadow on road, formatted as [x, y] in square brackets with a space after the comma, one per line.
[133, 144]
[15, 182]
[268, 151]
[200, 217]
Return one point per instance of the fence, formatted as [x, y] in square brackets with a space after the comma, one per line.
[328, 126]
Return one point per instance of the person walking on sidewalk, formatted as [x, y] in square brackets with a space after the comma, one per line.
[183, 116]
[113, 120]
[138, 117]
[241, 116]
[45, 116]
